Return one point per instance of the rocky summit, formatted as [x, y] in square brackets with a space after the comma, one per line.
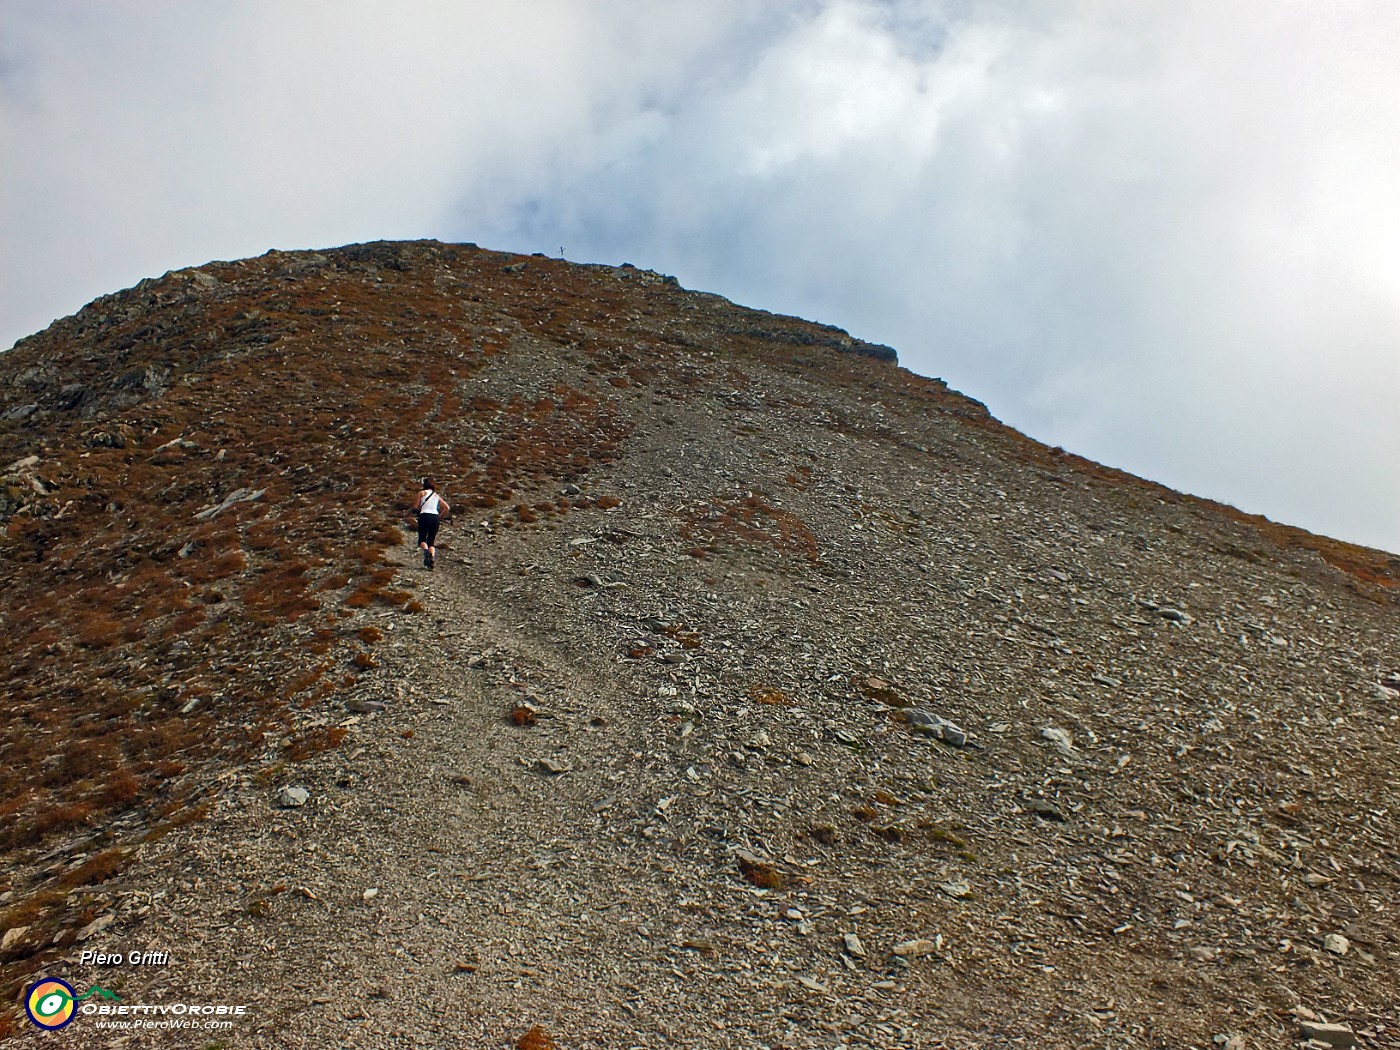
[763, 695]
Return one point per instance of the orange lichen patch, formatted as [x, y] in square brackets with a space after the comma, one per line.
[760, 873]
[536, 1039]
[768, 695]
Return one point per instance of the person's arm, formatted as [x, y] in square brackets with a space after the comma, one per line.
[418, 500]
[446, 507]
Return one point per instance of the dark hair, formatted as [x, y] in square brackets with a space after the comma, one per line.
[429, 483]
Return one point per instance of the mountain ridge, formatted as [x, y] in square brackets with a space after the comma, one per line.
[204, 564]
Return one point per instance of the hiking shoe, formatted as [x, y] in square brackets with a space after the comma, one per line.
[428, 561]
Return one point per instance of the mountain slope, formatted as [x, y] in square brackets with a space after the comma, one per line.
[709, 558]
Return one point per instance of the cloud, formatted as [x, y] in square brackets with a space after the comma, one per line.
[163, 134]
[1165, 236]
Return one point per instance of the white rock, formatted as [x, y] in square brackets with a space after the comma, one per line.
[1338, 1035]
[97, 925]
[1336, 944]
[915, 949]
[936, 726]
[293, 797]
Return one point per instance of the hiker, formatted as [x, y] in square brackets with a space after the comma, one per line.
[430, 508]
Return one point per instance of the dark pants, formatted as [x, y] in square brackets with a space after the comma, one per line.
[427, 529]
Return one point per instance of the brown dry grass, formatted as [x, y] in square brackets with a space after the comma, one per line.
[133, 627]
[315, 741]
[749, 519]
[770, 696]
[536, 1039]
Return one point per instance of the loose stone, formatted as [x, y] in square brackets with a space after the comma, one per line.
[292, 797]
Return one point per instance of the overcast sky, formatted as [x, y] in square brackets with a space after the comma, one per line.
[1163, 235]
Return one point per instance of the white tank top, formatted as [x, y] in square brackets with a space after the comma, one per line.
[430, 503]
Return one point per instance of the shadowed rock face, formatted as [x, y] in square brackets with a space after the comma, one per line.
[764, 693]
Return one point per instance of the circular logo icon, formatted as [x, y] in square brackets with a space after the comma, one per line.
[50, 1003]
